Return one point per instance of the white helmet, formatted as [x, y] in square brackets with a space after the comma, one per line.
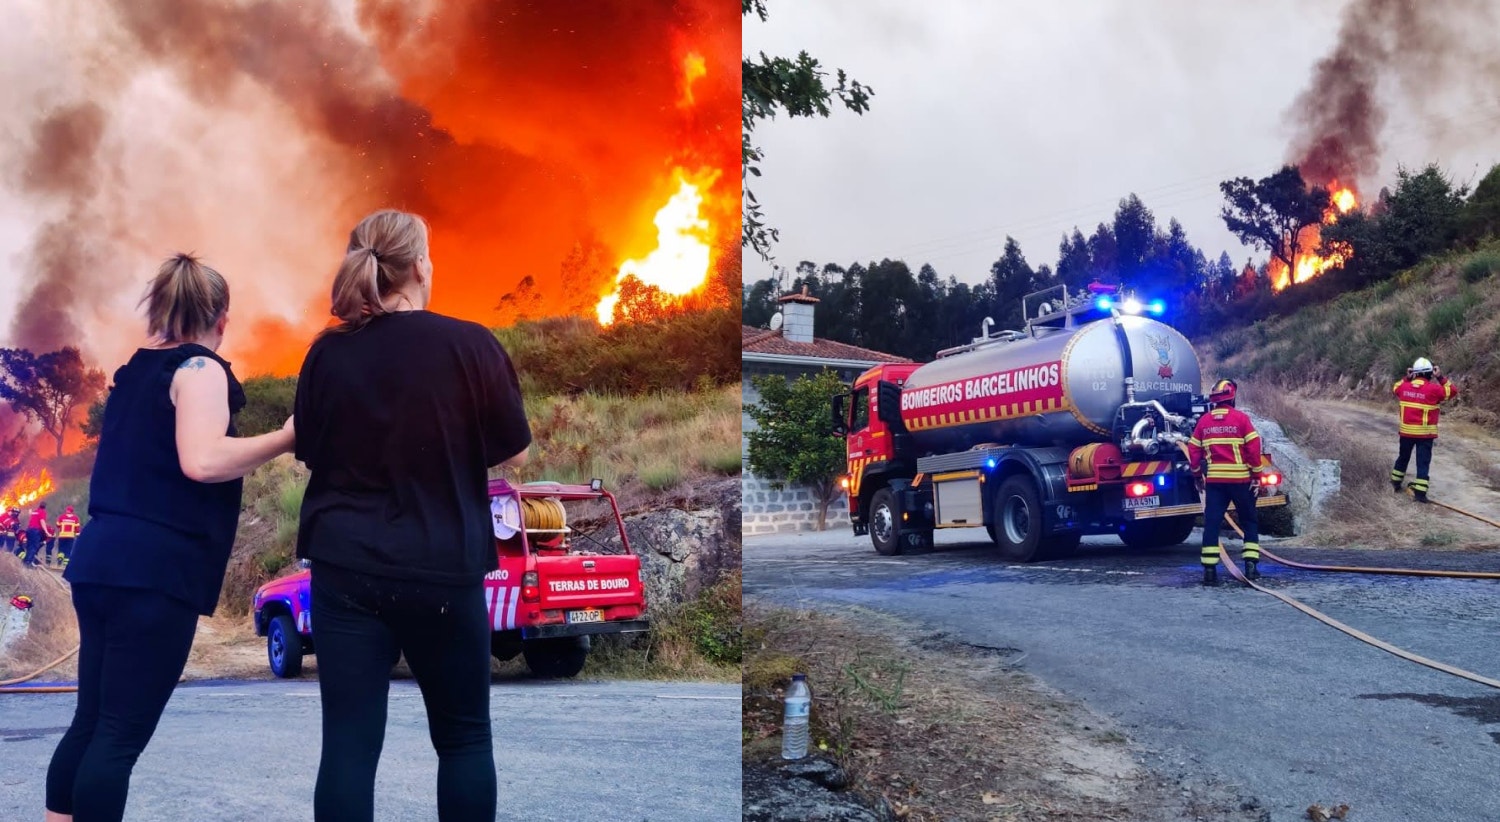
[1422, 366]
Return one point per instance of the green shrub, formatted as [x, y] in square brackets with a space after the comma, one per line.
[1480, 266]
[713, 621]
[1447, 317]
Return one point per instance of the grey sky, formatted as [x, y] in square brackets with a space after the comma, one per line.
[1026, 118]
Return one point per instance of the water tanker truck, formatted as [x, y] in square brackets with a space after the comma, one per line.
[1077, 425]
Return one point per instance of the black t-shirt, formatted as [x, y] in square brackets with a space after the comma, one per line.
[150, 526]
[399, 423]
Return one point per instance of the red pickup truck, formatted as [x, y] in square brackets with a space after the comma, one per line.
[549, 596]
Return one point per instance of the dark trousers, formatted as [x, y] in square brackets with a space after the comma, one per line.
[1423, 448]
[1217, 497]
[133, 644]
[13, 544]
[63, 547]
[360, 623]
[34, 545]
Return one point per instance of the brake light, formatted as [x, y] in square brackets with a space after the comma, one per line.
[844, 483]
[530, 587]
[1138, 489]
[1270, 479]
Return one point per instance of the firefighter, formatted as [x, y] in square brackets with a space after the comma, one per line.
[38, 531]
[67, 531]
[9, 519]
[1419, 394]
[1225, 452]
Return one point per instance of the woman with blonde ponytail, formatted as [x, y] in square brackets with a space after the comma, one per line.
[164, 503]
[401, 413]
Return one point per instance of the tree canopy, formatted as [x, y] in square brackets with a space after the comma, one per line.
[795, 87]
[1271, 212]
[48, 388]
[794, 442]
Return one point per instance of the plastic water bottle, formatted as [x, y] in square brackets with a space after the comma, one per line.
[794, 720]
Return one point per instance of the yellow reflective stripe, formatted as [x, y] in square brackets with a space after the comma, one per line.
[1225, 441]
[1195, 441]
[1252, 436]
[1421, 405]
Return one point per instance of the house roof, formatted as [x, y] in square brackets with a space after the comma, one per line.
[763, 341]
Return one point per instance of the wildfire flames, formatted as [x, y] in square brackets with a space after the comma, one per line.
[679, 264]
[538, 139]
[27, 490]
[1309, 264]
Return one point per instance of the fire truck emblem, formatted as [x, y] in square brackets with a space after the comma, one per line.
[1163, 347]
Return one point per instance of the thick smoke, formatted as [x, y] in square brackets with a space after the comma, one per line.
[1430, 60]
[257, 133]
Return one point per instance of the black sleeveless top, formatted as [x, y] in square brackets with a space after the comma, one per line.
[149, 525]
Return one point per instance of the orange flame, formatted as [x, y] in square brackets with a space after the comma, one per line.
[694, 67]
[26, 490]
[678, 265]
[1308, 264]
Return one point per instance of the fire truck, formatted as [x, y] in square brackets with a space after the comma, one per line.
[1075, 425]
[550, 595]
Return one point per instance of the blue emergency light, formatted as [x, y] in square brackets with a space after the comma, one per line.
[1104, 303]
[1161, 480]
[989, 463]
[1157, 307]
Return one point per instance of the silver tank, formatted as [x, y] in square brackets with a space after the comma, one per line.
[1058, 387]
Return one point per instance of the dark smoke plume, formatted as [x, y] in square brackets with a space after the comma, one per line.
[256, 132]
[1429, 60]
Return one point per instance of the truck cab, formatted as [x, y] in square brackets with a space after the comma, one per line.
[558, 584]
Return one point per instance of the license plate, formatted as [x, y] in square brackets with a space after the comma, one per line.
[590, 615]
[1137, 503]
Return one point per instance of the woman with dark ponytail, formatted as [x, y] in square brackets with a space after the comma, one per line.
[400, 414]
[164, 503]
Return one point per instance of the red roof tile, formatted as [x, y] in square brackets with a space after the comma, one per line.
[762, 341]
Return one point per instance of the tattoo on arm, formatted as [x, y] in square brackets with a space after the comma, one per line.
[193, 362]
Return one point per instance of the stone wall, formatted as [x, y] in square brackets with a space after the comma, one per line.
[767, 511]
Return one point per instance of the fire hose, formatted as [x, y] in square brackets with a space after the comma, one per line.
[14, 686]
[1330, 621]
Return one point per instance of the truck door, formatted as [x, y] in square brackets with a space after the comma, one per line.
[860, 438]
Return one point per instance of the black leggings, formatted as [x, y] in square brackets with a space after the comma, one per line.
[133, 644]
[360, 623]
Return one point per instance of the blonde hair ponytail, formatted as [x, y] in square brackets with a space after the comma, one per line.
[185, 299]
[382, 256]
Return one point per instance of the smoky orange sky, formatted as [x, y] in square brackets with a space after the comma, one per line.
[257, 133]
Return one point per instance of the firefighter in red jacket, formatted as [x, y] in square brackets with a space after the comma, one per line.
[10, 521]
[1419, 394]
[67, 531]
[1225, 449]
[38, 531]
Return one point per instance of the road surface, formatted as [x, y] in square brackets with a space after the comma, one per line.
[1223, 683]
[565, 751]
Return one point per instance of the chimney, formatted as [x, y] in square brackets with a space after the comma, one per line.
[797, 316]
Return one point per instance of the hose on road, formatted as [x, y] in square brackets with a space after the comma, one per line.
[1234, 571]
[13, 686]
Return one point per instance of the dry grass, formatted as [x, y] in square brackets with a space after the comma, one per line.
[640, 446]
[942, 731]
[53, 630]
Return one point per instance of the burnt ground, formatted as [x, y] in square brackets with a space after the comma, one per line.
[1225, 693]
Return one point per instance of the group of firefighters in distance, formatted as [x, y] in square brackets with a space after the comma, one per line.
[29, 537]
[1225, 454]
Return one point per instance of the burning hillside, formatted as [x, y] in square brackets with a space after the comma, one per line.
[1309, 264]
[256, 134]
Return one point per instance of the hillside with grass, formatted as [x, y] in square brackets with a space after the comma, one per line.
[651, 408]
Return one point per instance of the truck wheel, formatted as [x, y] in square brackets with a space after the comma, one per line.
[504, 648]
[284, 647]
[885, 523]
[556, 658]
[1018, 519]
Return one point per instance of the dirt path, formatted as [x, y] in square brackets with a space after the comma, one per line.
[1465, 470]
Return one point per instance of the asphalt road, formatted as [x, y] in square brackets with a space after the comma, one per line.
[565, 751]
[1223, 683]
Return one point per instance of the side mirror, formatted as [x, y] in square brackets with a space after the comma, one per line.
[888, 405]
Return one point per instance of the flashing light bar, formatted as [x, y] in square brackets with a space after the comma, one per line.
[1132, 306]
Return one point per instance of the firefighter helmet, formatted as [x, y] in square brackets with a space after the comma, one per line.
[1223, 392]
[1422, 366]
